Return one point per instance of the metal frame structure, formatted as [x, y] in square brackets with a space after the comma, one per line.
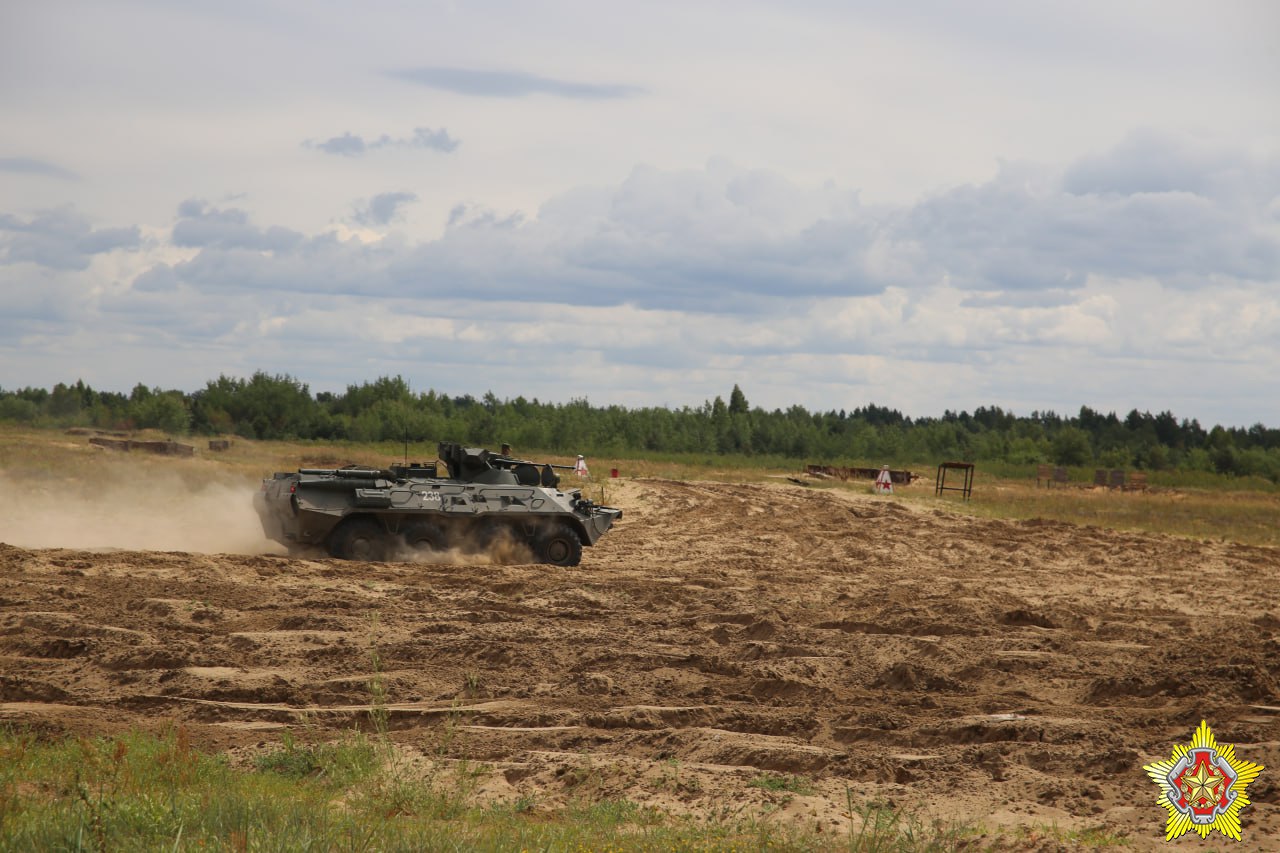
[940, 481]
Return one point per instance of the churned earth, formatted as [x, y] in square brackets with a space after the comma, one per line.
[726, 649]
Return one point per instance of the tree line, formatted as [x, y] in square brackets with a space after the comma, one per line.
[268, 406]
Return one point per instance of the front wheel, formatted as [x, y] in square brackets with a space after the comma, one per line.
[360, 539]
[558, 545]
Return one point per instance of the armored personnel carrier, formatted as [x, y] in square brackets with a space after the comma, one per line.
[482, 498]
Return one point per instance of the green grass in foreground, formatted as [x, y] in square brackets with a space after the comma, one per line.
[140, 792]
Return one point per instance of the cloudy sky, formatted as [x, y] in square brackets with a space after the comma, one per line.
[926, 205]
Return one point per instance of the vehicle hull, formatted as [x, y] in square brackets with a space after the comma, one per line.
[313, 507]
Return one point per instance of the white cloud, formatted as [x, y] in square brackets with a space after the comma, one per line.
[686, 282]
[351, 145]
[492, 83]
[939, 206]
[383, 208]
[38, 168]
[724, 240]
[60, 239]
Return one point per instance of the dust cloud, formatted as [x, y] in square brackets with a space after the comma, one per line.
[152, 509]
[126, 508]
[503, 552]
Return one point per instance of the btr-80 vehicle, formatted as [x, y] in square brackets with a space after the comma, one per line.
[382, 513]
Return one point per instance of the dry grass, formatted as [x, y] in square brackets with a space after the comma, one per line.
[1248, 517]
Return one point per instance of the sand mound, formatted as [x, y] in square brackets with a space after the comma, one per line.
[1007, 672]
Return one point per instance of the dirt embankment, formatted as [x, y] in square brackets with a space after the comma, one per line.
[1004, 672]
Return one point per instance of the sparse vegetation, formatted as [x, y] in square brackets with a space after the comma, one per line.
[877, 828]
[141, 792]
[1250, 516]
[782, 782]
[352, 759]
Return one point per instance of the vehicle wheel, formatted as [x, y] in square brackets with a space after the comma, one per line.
[558, 545]
[424, 537]
[360, 539]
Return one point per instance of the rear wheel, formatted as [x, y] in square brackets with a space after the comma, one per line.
[558, 545]
[360, 539]
[424, 538]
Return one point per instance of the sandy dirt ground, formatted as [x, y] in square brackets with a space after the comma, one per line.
[1004, 673]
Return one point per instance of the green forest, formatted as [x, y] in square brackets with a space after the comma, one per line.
[268, 406]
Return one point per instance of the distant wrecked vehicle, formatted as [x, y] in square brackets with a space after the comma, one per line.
[483, 499]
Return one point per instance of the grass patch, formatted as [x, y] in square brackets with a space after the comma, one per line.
[352, 759]
[877, 828]
[1251, 517]
[782, 782]
[147, 793]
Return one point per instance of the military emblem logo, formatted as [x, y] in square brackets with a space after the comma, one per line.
[1203, 786]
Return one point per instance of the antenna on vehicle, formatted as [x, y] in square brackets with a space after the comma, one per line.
[406, 447]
